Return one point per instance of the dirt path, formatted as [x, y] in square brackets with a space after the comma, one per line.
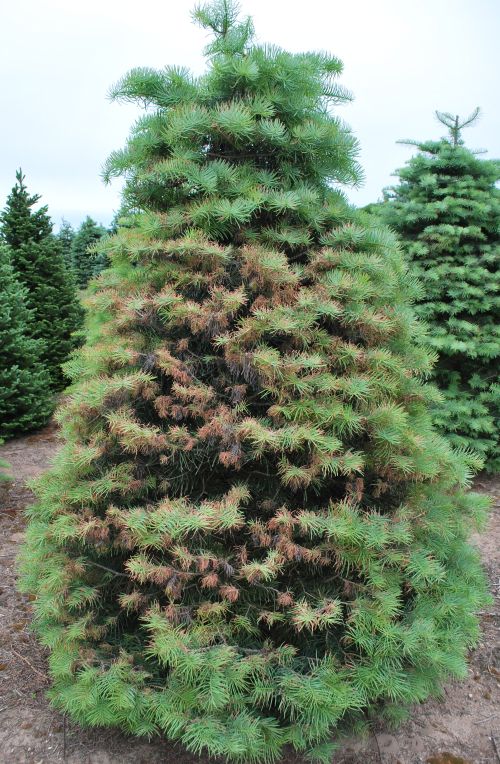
[463, 728]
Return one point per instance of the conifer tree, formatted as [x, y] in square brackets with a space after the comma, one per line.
[446, 209]
[122, 217]
[25, 397]
[86, 263]
[252, 534]
[65, 237]
[39, 265]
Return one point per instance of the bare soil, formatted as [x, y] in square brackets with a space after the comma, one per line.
[461, 728]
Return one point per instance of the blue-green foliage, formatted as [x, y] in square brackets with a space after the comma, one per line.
[65, 237]
[86, 262]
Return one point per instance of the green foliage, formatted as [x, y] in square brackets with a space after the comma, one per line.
[252, 534]
[65, 237]
[25, 398]
[39, 265]
[446, 209]
[5, 474]
[122, 217]
[86, 262]
[454, 124]
[5, 477]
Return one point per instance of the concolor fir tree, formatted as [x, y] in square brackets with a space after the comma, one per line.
[253, 533]
[25, 398]
[40, 267]
[447, 210]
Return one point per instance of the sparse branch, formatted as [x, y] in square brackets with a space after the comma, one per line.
[453, 123]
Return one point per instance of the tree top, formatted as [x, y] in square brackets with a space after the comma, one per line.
[455, 125]
[222, 17]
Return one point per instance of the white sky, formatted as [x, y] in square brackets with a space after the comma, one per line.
[402, 60]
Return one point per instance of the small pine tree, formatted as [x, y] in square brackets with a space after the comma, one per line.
[25, 398]
[253, 532]
[446, 209]
[65, 237]
[39, 265]
[86, 262]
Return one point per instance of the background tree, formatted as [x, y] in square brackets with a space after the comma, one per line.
[122, 217]
[253, 531]
[38, 261]
[65, 236]
[86, 262]
[25, 398]
[446, 209]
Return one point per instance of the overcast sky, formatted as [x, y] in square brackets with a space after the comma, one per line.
[402, 60]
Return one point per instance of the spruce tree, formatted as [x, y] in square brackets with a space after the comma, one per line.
[252, 534]
[25, 397]
[65, 237]
[38, 261]
[446, 209]
[86, 262]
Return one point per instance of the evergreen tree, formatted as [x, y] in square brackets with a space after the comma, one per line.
[65, 237]
[25, 398]
[252, 533]
[446, 209]
[123, 217]
[38, 261]
[86, 262]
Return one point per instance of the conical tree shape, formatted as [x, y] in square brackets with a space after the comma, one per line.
[21, 223]
[253, 533]
[446, 209]
[85, 262]
[25, 398]
[39, 264]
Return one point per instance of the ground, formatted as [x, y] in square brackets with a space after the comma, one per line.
[462, 728]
